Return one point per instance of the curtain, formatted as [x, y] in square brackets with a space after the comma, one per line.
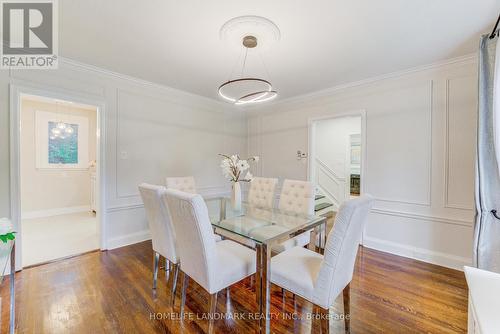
[487, 228]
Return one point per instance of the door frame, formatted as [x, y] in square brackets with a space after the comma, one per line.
[16, 94]
[312, 122]
[311, 138]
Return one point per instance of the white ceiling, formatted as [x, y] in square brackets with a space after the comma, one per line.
[323, 42]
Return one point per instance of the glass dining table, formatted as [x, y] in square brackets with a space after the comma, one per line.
[262, 229]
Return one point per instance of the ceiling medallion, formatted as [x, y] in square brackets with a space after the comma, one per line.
[249, 30]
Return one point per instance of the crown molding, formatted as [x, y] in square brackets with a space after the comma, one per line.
[217, 105]
[224, 107]
[470, 58]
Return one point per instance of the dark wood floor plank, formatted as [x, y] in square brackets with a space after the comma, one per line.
[110, 292]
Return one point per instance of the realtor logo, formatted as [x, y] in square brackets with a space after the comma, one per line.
[29, 34]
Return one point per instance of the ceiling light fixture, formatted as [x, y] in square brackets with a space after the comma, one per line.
[248, 90]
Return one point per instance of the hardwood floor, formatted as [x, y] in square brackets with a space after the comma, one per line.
[110, 292]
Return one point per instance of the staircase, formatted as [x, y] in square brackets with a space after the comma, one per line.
[322, 206]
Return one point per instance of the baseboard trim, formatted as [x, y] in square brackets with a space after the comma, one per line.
[128, 239]
[54, 212]
[421, 254]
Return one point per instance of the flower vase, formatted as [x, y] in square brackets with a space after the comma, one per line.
[236, 196]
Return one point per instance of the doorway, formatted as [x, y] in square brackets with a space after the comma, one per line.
[56, 163]
[336, 156]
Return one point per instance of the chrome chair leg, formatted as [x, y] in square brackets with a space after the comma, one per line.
[175, 268]
[283, 295]
[167, 269]
[167, 265]
[185, 282]
[213, 309]
[156, 262]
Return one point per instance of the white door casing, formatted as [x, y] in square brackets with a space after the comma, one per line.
[16, 94]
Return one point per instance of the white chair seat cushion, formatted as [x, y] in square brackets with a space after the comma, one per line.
[233, 263]
[217, 238]
[296, 270]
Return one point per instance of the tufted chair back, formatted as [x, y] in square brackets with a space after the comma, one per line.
[160, 226]
[185, 184]
[195, 237]
[341, 249]
[261, 192]
[297, 196]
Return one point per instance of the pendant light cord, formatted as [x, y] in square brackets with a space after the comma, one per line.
[244, 61]
[494, 32]
[235, 65]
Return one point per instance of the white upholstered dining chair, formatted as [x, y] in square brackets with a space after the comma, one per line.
[213, 265]
[260, 196]
[187, 185]
[320, 278]
[261, 193]
[162, 232]
[184, 183]
[296, 197]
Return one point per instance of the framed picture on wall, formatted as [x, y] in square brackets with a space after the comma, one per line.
[61, 141]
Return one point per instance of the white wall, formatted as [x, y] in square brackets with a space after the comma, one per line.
[151, 132]
[46, 191]
[420, 154]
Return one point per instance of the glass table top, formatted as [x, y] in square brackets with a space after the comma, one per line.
[258, 224]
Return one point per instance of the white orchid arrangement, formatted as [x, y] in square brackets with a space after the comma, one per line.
[233, 167]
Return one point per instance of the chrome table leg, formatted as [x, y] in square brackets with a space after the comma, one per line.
[312, 240]
[265, 297]
[185, 283]
[175, 268]
[222, 209]
[258, 275]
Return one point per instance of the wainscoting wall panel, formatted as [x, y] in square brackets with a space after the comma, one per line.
[461, 97]
[420, 154]
[399, 132]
